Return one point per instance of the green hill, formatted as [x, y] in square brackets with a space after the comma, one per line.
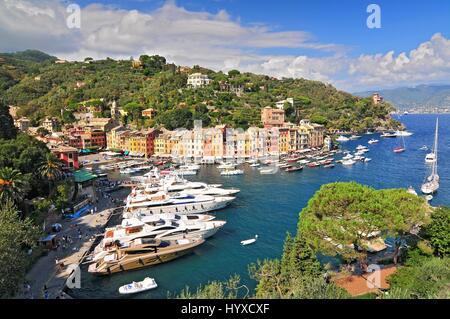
[40, 87]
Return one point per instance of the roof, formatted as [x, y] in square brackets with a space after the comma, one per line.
[82, 176]
[357, 285]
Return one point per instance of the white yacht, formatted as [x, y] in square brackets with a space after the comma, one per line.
[348, 157]
[268, 170]
[430, 158]
[226, 166]
[132, 229]
[342, 138]
[373, 141]
[189, 167]
[231, 172]
[355, 137]
[161, 202]
[152, 219]
[431, 184]
[348, 162]
[403, 133]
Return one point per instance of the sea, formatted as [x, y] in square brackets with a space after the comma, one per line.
[269, 206]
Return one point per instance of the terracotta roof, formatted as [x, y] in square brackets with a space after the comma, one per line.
[371, 282]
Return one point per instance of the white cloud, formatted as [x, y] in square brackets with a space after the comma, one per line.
[212, 40]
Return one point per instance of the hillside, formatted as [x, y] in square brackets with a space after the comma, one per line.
[40, 87]
[422, 96]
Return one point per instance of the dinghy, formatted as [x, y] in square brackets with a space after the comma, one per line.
[249, 241]
[140, 286]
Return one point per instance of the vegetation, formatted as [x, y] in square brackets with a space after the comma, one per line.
[16, 237]
[343, 213]
[43, 88]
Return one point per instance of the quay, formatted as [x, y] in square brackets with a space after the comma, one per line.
[52, 270]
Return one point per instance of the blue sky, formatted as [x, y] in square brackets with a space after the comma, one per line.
[326, 40]
[404, 23]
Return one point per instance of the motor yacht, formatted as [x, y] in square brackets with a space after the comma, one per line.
[141, 253]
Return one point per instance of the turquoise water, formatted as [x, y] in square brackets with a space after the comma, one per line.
[269, 205]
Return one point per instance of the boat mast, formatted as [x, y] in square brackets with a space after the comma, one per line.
[434, 172]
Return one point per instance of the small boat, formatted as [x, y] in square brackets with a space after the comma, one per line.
[389, 134]
[294, 169]
[401, 148]
[430, 158]
[140, 286]
[367, 160]
[424, 148]
[373, 141]
[403, 133]
[355, 137]
[329, 166]
[314, 164]
[249, 241]
[255, 165]
[231, 172]
[429, 198]
[268, 171]
[347, 157]
[348, 162]
[342, 139]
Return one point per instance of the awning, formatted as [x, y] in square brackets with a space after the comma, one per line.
[82, 176]
[47, 238]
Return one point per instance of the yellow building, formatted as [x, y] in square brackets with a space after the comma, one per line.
[116, 137]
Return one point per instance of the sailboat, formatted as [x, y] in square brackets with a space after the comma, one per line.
[431, 184]
[401, 148]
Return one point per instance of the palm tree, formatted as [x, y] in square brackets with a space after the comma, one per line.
[12, 185]
[51, 169]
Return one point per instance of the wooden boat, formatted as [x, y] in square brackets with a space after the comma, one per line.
[140, 286]
[141, 253]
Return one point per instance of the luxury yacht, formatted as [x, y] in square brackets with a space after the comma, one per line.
[161, 202]
[141, 253]
[133, 228]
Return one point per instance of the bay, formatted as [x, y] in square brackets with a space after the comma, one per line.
[269, 206]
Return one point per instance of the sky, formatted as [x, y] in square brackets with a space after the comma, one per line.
[325, 40]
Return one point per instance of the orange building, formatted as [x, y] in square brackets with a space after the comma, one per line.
[271, 117]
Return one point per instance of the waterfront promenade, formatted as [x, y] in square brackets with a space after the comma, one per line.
[51, 270]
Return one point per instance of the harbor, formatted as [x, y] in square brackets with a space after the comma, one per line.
[253, 211]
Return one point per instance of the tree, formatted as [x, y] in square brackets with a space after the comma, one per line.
[16, 236]
[215, 290]
[42, 131]
[134, 111]
[341, 216]
[438, 231]
[7, 128]
[233, 73]
[12, 185]
[422, 277]
[51, 170]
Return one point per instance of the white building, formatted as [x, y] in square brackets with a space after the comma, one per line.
[280, 104]
[197, 80]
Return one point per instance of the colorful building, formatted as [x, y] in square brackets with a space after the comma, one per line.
[68, 155]
[271, 117]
